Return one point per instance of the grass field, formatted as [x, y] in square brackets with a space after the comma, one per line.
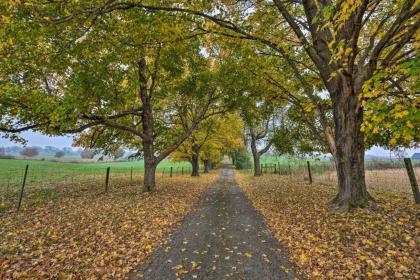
[47, 178]
[45, 172]
[9, 164]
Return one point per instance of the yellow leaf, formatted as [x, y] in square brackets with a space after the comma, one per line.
[409, 124]
[248, 255]
[303, 258]
[124, 83]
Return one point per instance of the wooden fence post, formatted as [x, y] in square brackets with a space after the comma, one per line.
[413, 181]
[290, 169]
[107, 178]
[170, 174]
[275, 168]
[163, 172]
[131, 175]
[182, 170]
[309, 172]
[23, 187]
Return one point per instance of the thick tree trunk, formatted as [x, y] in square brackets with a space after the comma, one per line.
[195, 166]
[350, 151]
[195, 171]
[149, 177]
[149, 166]
[256, 157]
[206, 166]
[257, 165]
[147, 120]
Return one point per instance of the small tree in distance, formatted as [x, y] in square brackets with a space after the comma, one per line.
[87, 154]
[29, 152]
[119, 154]
[59, 154]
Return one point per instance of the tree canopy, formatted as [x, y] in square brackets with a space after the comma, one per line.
[144, 75]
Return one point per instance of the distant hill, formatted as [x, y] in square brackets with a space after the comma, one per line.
[376, 157]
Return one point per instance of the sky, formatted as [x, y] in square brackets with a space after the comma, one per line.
[37, 139]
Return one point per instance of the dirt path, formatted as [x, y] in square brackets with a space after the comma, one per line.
[223, 238]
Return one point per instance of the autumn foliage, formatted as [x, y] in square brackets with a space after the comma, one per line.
[360, 244]
[91, 236]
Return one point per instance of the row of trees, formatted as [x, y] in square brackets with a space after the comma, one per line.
[329, 76]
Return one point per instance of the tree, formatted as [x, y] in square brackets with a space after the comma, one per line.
[119, 153]
[391, 113]
[87, 154]
[294, 136]
[226, 140]
[112, 90]
[29, 152]
[242, 159]
[346, 43]
[215, 137]
[59, 154]
[260, 122]
[347, 47]
[50, 150]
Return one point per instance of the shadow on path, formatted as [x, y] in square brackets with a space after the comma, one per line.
[223, 238]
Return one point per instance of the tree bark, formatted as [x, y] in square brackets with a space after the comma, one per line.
[147, 119]
[206, 166]
[195, 171]
[256, 157]
[149, 177]
[350, 152]
[150, 164]
[195, 166]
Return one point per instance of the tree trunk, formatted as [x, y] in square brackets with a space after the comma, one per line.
[149, 166]
[147, 120]
[350, 151]
[256, 157]
[195, 166]
[206, 166]
[149, 177]
[195, 171]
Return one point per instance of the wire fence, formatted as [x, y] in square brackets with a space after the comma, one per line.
[37, 184]
[388, 176]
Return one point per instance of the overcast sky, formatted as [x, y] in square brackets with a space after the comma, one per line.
[37, 139]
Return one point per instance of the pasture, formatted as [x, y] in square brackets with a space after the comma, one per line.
[46, 179]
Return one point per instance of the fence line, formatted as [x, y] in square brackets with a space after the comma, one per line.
[34, 183]
[379, 175]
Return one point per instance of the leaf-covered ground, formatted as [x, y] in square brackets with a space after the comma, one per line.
[222, 238]
[361, 244]
[93, 236]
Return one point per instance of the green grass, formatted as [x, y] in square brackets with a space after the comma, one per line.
[12, 170]
[8, 164]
